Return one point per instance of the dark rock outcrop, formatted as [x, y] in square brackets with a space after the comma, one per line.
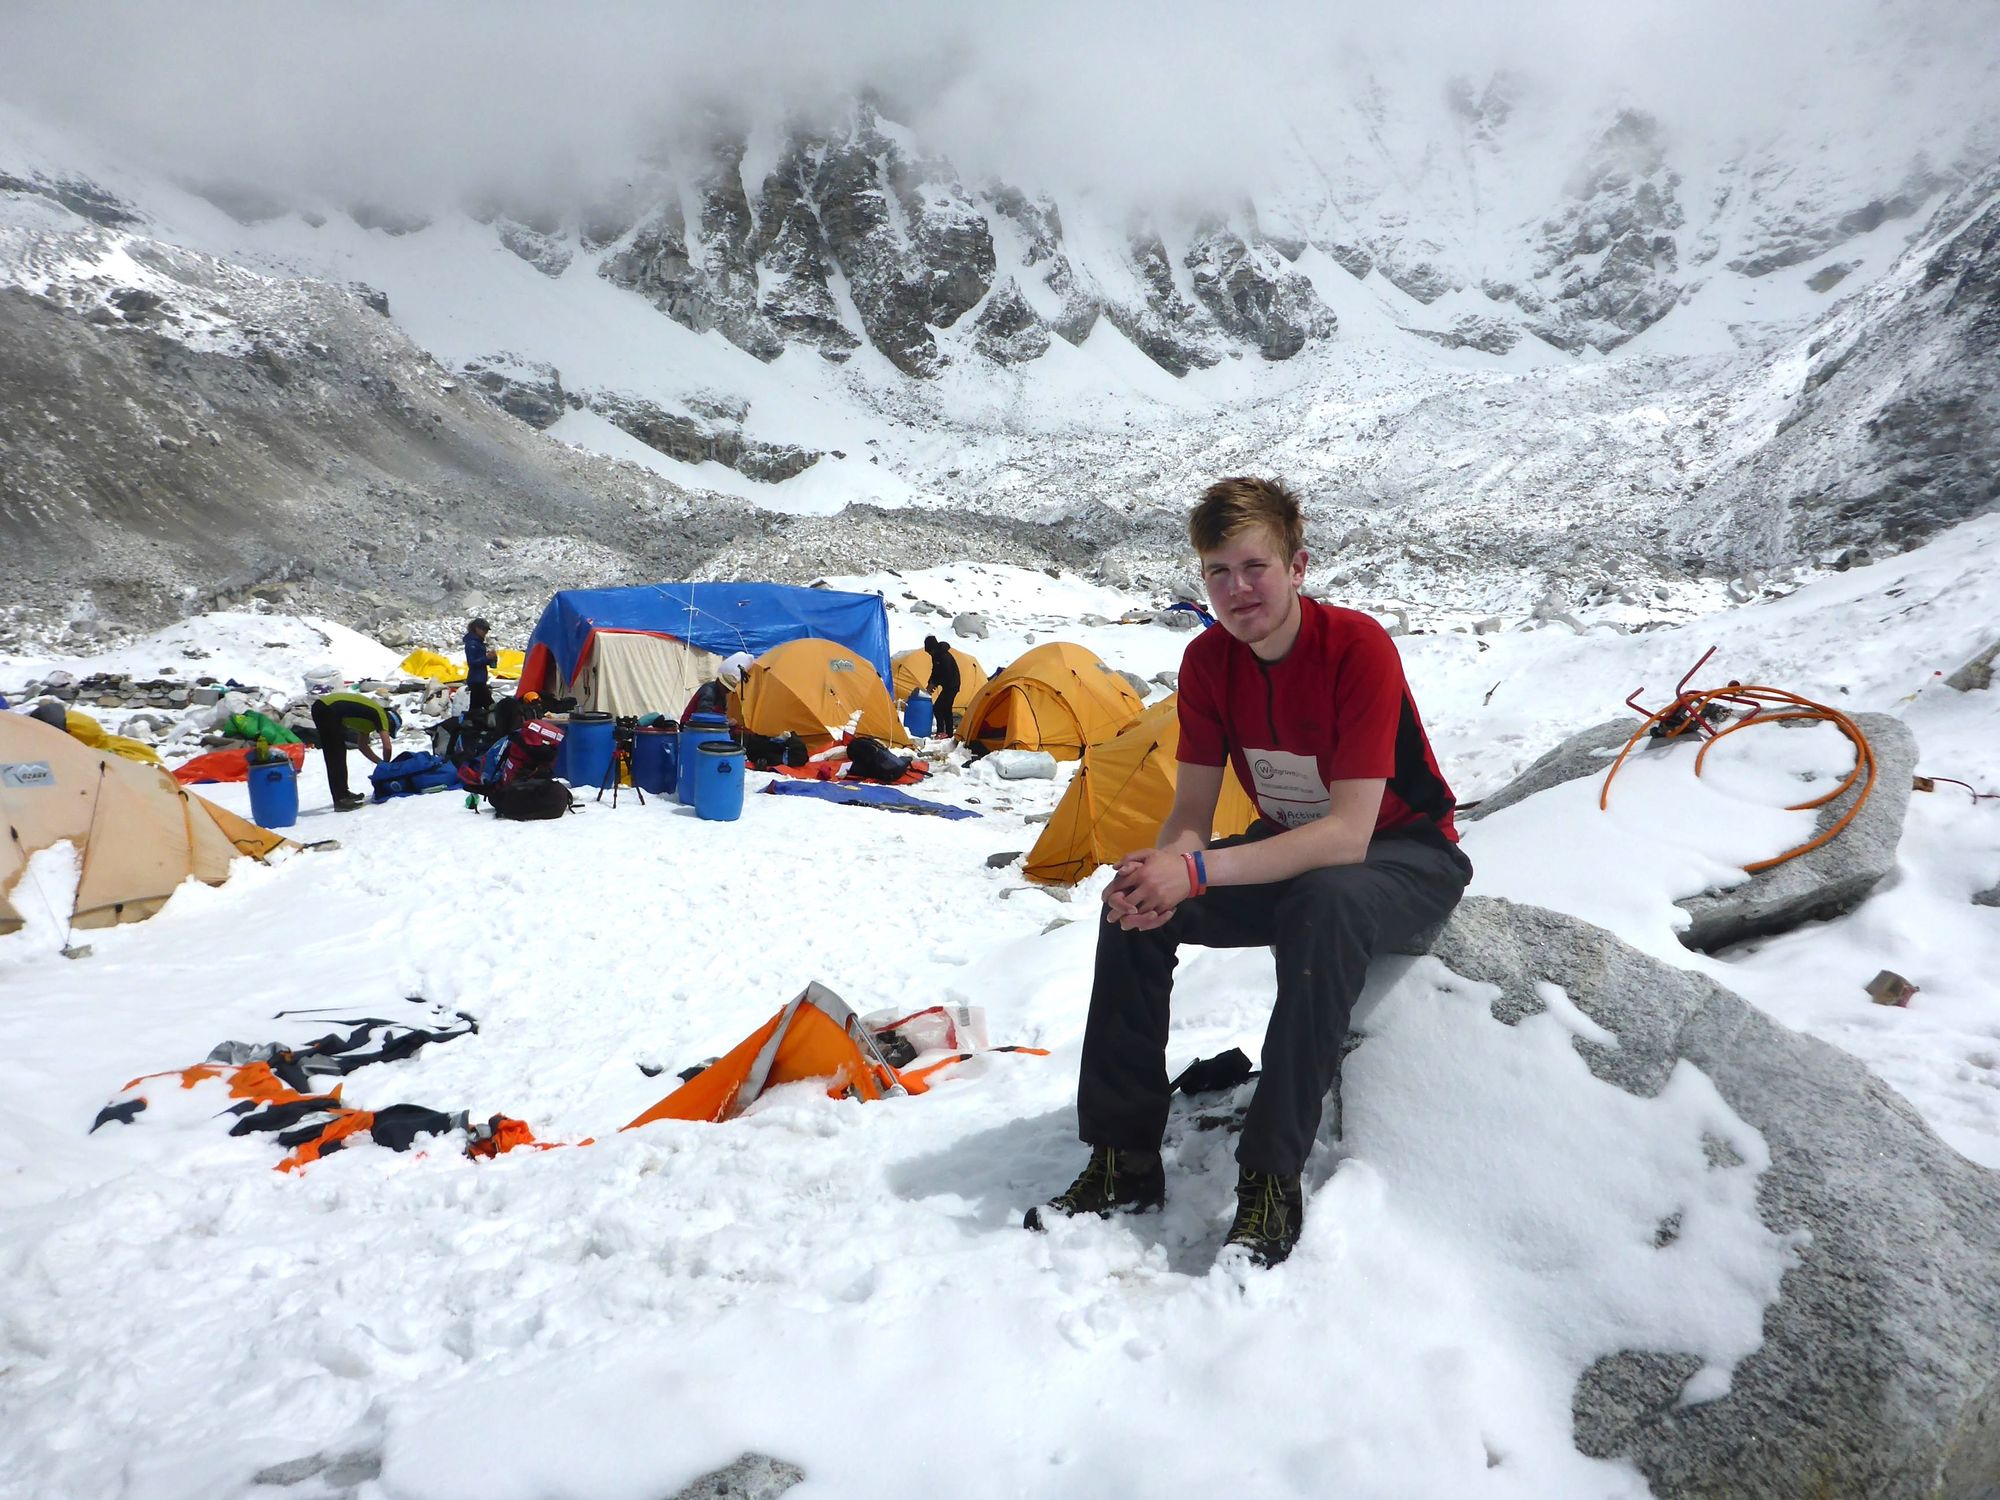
[713, 436]
[1254, 296]
[1008, 331]
[528, 389]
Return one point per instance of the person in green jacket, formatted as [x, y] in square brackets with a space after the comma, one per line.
[335, 716]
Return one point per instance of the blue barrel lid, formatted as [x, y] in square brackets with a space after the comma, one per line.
[706, 721]
[720, 747]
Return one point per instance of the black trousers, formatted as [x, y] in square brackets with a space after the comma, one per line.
[332, 730]
[482, 698]
[943, 721]
[1325, 925]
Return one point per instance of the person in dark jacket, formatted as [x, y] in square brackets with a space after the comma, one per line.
[335, 716]
[943, 687]
[478, 658]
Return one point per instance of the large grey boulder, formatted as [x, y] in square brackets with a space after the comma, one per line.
[1834, 878]
[1587, 753]
[1879, 1374]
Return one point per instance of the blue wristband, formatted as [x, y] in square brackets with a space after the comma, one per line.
[1200, 869]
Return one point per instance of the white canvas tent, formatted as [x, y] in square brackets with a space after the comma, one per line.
[631, 672]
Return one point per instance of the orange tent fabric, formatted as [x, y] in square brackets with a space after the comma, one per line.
[811, 687]
[230, 765]
[1119, 797]
[1057, 697]
[815, 1036]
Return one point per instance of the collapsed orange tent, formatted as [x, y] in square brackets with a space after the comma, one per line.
[815, 1037]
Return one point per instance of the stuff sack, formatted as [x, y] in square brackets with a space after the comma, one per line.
[411, 772]
[868, 759]
[530, 800]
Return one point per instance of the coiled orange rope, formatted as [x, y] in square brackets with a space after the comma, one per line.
[1689, 710]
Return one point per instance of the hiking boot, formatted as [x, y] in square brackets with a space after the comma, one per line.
[348, 801]
[1114, 1181]
[1270, 1211]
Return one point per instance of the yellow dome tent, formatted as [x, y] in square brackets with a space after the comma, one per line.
[814, 688]
[912, 671]
[139, 832]
[1057, 697]
[1119, 797]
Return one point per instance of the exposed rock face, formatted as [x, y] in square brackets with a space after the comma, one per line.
[1790, 239]
[528, 389]
[1895, 431]
[715, 435]
[539, 248]
[702, 276]
[79, 195]
[1879, 1373]
[1172, 332]
[1608, 269]
[1010, 332]
[1254, 296]
[1040, 226]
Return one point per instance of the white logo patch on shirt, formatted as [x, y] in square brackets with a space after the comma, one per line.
[1287, 787]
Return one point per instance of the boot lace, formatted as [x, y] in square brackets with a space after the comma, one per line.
[1097, 1184]
[1261, 1211]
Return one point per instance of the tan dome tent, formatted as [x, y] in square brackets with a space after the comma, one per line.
[1119, 797]
[139, 831]
[912, 671]
[1057, 697]
[814, 688]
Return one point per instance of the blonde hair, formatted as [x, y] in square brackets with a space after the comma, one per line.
[1232, 505]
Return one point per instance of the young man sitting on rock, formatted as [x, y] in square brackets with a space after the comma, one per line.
[1353, 852]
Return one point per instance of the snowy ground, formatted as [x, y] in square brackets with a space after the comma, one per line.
[845, 1286]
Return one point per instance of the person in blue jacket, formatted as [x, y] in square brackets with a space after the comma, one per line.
[478, 658]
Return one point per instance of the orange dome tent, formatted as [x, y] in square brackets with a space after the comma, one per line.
[814, 688]
[1119, 797]
[911, 672]
[1058, 697]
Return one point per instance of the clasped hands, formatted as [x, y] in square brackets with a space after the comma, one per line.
[1145, 889]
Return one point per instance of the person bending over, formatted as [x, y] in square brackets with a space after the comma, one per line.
[334, 716]
[1354, 850]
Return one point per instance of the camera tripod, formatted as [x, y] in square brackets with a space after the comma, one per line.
[618, 773]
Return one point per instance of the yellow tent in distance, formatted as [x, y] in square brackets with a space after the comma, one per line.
[815, 688]
[1119, 797]
[1057, 697]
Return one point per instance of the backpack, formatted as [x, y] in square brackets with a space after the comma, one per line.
[528, 751]
[765, 752]
[868, 759]
[531, 799]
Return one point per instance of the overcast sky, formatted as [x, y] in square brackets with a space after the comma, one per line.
[345, 97]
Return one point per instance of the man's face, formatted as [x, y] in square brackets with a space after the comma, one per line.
[1251, 583]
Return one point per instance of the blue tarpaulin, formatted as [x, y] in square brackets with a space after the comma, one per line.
[867, 794]
[720, 617]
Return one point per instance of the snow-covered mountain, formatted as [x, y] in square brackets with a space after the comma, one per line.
[1511, 330]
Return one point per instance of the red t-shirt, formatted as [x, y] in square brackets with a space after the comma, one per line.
[1336, 708]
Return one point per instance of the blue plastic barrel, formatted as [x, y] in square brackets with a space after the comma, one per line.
[656, 760]
[917, 716]
[586, 749]
[696, 731]
[274, 793]
[718, 781]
